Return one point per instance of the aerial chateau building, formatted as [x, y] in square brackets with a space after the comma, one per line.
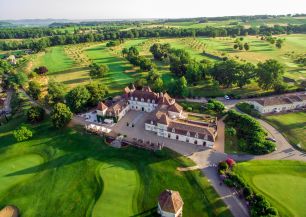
[279, 104]
[167, 118]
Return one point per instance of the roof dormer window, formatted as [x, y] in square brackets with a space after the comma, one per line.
[196, 135]
[188, 133]
[173, 130]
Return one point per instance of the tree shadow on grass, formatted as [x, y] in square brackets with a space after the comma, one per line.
[81, 146]
[75, 81]
[148, 213]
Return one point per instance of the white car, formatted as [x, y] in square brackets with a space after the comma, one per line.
[227, 97]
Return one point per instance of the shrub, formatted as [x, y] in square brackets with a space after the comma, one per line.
[22, 134]
[34, 90]
[215, 106]
[41, 70]
[250, 133]
[35, 114]
[248, 109]
[222, 166]
[230, 131]
[229, 182]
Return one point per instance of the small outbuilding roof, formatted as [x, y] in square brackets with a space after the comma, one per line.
[170, 201]
[9, 211]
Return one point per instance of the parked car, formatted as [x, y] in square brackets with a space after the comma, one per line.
[271, 139]
[227, 97]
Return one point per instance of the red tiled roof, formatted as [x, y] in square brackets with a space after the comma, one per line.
[101, 106]
[170, 201]
[164, 119]
[183, 128]
[175, 108]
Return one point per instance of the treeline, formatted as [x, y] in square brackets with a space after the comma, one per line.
[9, 33]
[224, 18]
[54, 40]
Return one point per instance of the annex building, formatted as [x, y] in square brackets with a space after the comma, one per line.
[167, 118]
[279, 104]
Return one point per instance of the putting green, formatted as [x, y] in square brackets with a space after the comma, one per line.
[9, 169]
[120, 190]
[282, 182]
[280, 188]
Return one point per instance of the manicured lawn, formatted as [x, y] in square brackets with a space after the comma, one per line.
[292, 126]
[120, 180]
[119, 74]
[282, 182]
[12, 165]
[81, 176]
[55, 60]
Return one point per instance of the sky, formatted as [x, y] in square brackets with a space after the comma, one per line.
[130, 9]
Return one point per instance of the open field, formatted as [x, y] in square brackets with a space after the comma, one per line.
[292, 125]
[120, 72]
[71, 173]
[282, 182]
[55, 60]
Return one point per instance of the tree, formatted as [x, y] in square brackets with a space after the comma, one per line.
[56, 92]
[96, 71]
[60, 115]
[22, 134]
[269, 73]
[225, 72]
[155, 80]
[179, 59]
[158, 85]
[41, 70]
[160, 51]
[279, 43]
[97, 93]
[34, 89]
[145, 64]
[21, 78]
[35, 114]
[77, 98]
[140, 83]
[178, 87]
[244, 74]
[246, 46]
[194, 72]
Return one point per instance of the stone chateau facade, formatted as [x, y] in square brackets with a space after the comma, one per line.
[167, 118]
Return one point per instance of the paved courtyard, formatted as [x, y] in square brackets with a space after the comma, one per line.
[137, 119]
